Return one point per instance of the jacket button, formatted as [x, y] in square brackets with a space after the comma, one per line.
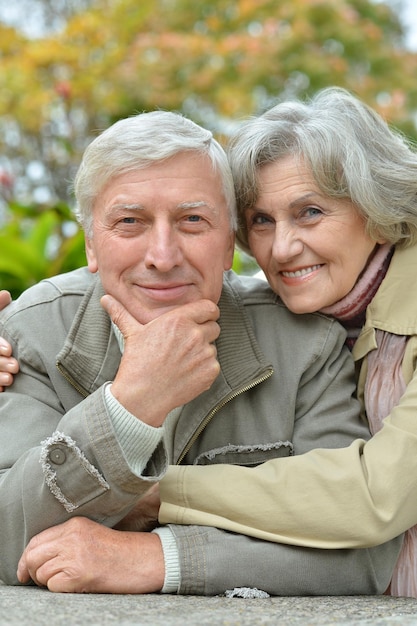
[57, 456]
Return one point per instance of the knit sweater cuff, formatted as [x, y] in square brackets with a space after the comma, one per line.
[137, 439]
[171, 558]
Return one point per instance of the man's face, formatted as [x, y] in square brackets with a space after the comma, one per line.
[161, 236]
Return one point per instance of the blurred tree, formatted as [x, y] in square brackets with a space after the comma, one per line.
[94, 61]
[215, 60]
[37, 242]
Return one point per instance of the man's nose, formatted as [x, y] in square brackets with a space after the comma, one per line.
[163, 251]
[287, 243]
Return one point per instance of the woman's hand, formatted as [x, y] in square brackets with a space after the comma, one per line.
[8, 365]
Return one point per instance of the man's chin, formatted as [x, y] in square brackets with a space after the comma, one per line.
[144, 315]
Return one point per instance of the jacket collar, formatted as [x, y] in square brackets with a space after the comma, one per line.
[91, 355]
[394, 306]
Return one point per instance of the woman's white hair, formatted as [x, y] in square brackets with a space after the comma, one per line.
[351, 152]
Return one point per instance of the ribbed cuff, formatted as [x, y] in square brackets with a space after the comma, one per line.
[137, 439]
[172, 560]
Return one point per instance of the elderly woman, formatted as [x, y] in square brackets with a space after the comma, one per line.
[327, 196]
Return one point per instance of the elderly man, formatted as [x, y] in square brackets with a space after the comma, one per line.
[156, 354]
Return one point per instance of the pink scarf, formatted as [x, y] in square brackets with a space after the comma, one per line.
[384, 387]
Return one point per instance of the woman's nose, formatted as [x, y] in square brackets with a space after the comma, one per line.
[287, 244]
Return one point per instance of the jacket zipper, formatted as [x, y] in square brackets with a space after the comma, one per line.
[217, 408]
[71, 381]
[207, 419]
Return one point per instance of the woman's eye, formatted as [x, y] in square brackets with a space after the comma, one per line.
[311, 211]
[259, 219]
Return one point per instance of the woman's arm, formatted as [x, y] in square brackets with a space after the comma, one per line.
[358, 496]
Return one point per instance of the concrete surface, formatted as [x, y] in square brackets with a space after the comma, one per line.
[38, 607]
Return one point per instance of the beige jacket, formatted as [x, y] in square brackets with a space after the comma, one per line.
[355, 497]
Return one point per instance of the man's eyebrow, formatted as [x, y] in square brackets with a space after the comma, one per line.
[195, 205]
[133, 207]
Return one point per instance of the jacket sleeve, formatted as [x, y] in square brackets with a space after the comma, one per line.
[357, 496]
[57, 464]
[214, 561]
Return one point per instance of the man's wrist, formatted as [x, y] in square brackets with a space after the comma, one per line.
[137, 439]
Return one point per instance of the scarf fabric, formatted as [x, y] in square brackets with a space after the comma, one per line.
[384, 387]
[350, 311]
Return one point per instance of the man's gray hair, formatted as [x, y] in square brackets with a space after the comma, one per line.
[138, 142]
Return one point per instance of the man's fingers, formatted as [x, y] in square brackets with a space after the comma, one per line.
[23, 575]
[112, 307]
[119, 315]
[203, 311]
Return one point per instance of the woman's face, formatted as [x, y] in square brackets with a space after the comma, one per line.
[312, 248]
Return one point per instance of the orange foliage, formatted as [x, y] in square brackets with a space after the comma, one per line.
[212, 59]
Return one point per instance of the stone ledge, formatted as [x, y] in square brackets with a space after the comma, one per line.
[38, 607]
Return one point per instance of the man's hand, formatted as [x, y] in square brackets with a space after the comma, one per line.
[167, 362]
[144, 516]
[82, 556]
[8, 365]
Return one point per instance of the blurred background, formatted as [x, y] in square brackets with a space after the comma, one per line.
[70, 68]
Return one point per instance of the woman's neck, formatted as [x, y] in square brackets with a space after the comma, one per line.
[350, 311]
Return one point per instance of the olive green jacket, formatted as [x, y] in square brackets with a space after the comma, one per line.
[356, 497]
[285, 386]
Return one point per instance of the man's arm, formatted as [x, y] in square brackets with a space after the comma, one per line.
[213, 561]
[81, 556]
[63, 457]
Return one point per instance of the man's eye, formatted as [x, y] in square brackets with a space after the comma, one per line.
[193, 218]
[128, 220]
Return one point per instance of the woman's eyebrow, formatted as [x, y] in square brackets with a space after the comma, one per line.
[301, 199]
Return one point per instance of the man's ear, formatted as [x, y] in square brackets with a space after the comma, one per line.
[91, 255]
[230, 251]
